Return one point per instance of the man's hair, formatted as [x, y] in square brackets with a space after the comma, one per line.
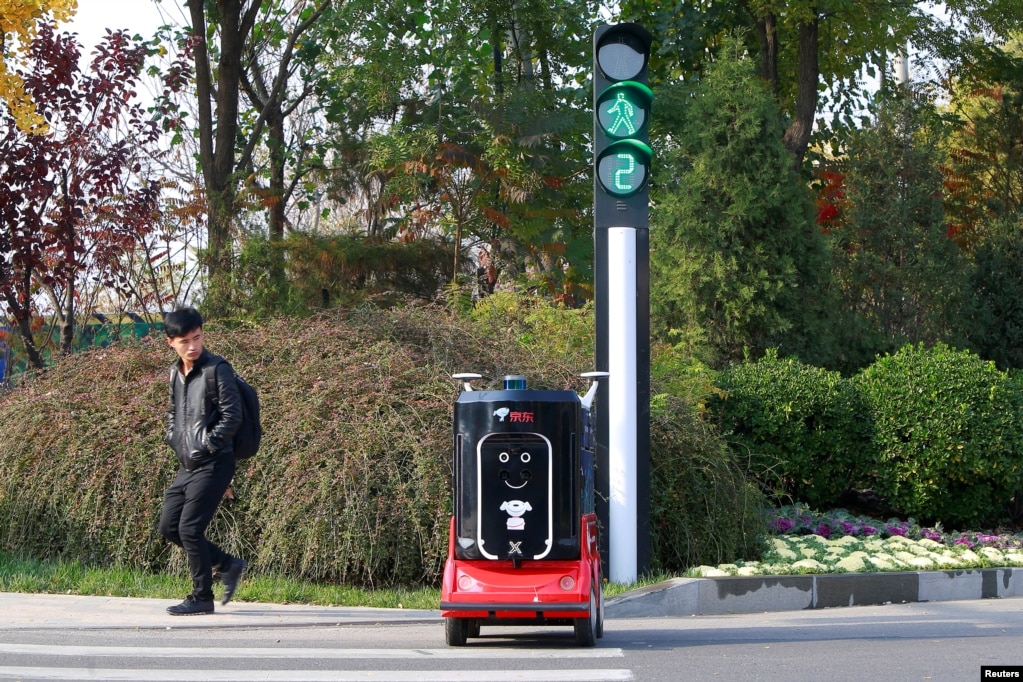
[181, 321]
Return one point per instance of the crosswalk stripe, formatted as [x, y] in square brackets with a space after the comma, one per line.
[282, 652]
[117, 675]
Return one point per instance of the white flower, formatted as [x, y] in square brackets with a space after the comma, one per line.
[852, 564]
[845, 540]
[968, 556]
[786, 554]
[920, 562]
[992, 553]
[810, 565]
[708, 572]
[921, 549]
[748, 570]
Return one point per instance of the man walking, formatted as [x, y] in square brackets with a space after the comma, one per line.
[203, 416]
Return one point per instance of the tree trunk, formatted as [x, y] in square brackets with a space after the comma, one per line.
[23, 318]
[67, 327]
[278, 162]
[767, 32]
[797, 137]
[218, 133]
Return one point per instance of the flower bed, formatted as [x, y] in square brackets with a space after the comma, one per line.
[803, 541]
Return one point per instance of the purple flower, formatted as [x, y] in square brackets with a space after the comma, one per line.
[869, 530]
[931, 534]
[964, 541]
[782, 525]
[850, 528]
[895, 530]
[823, 529]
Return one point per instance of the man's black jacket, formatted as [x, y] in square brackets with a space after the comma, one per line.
[201, 427]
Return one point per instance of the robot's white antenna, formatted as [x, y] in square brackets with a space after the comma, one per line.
[587, 399]
[466, 378]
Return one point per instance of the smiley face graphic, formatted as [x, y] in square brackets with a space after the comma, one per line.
[515, 470]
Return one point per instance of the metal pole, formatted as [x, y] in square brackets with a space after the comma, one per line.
[622, 403]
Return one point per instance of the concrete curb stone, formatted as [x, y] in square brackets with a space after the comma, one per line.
[716, 596]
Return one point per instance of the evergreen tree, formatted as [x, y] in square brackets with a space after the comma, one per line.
[737, 263]
[994, 322]
[900, 273]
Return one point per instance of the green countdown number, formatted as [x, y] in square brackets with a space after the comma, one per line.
[623, 168]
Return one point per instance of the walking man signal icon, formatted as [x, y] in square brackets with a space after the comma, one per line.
[624, 114]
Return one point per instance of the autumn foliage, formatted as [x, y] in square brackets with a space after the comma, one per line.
[18, 22]
[73, 200]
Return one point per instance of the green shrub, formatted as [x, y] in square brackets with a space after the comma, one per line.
[351, 485]
[947, 434]
[703, 508]
[538, 324]
[804, 428]
[331, 271]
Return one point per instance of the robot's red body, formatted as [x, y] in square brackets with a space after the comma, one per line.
[524, 543]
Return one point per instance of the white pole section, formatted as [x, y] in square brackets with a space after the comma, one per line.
[622, 403]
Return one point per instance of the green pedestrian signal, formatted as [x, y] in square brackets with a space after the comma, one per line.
[621, 112]
[623, 109]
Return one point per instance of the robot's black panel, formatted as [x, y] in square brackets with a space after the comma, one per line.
[515, 496]
[517, 474]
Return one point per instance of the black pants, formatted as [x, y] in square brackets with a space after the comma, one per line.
[188, 507]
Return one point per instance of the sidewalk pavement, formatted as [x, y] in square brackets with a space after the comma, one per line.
[680, 597]
[58, 611]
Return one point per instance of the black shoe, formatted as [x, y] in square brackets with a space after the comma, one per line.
[231, 578]
[191, 607]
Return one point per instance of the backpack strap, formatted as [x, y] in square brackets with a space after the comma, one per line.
[209, 373]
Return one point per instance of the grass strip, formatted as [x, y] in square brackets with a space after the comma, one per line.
[20, 574]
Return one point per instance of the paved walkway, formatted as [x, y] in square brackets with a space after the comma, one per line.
[32, 611]
[681, 597]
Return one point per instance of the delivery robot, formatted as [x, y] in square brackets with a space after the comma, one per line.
[524, 543]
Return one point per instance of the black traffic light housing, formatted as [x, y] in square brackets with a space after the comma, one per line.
[622, 101]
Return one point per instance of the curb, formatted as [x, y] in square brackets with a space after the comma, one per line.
[754, 594]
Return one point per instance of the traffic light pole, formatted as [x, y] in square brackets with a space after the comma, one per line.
[622, 103]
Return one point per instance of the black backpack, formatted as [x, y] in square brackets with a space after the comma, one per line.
[249, 434]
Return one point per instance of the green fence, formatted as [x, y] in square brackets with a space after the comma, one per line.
[99, 331]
